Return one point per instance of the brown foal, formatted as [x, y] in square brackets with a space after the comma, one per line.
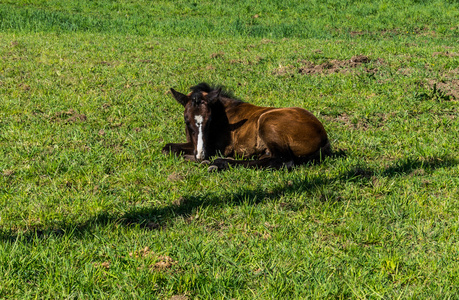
[216, 124]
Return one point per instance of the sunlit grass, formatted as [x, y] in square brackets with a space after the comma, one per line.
[90, 207]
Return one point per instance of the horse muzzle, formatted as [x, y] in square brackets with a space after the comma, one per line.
[200, 155]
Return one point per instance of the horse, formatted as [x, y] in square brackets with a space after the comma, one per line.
[217, 124]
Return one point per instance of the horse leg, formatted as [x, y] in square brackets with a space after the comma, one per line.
[180, 149]
[269, 162]
[277, 155]
[278, 158]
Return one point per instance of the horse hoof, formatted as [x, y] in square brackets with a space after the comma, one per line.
[166, 149]
[205, 162]
[212, 168]
[220, 164]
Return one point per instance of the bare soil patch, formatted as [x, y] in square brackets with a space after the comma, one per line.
[331, 66]
[104, 265]
[179, 297]
[448, 89]
[446, 53]
[360, 123]
[69, 116]
[283, 70]
[180, 201]
[8, 172]
[174, 176]
[217, 55]
[336, 66]
[163, 263]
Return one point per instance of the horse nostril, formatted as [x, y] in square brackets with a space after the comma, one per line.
[200, 156]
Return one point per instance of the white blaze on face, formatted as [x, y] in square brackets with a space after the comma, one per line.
[200, 146]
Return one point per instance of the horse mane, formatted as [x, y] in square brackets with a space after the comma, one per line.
[205, 87]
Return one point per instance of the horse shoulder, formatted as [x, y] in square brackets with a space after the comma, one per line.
[244, 129]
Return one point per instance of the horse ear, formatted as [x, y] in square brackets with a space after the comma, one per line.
[214, 96]
[181, 98]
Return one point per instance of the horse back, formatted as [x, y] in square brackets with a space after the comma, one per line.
[292, 130]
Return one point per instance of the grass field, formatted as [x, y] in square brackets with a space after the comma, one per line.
[91, 208]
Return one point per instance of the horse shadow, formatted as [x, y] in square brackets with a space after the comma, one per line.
[158, 218]
[189, 203]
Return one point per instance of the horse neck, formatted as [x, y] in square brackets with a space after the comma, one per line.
[229, 103]
[223, 110]
[236, 109]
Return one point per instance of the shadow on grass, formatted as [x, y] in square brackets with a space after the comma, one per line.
[157, 218]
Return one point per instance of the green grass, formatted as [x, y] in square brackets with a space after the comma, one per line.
[275, 19]
[91, 208]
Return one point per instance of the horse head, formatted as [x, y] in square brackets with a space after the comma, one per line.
[198, 117]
